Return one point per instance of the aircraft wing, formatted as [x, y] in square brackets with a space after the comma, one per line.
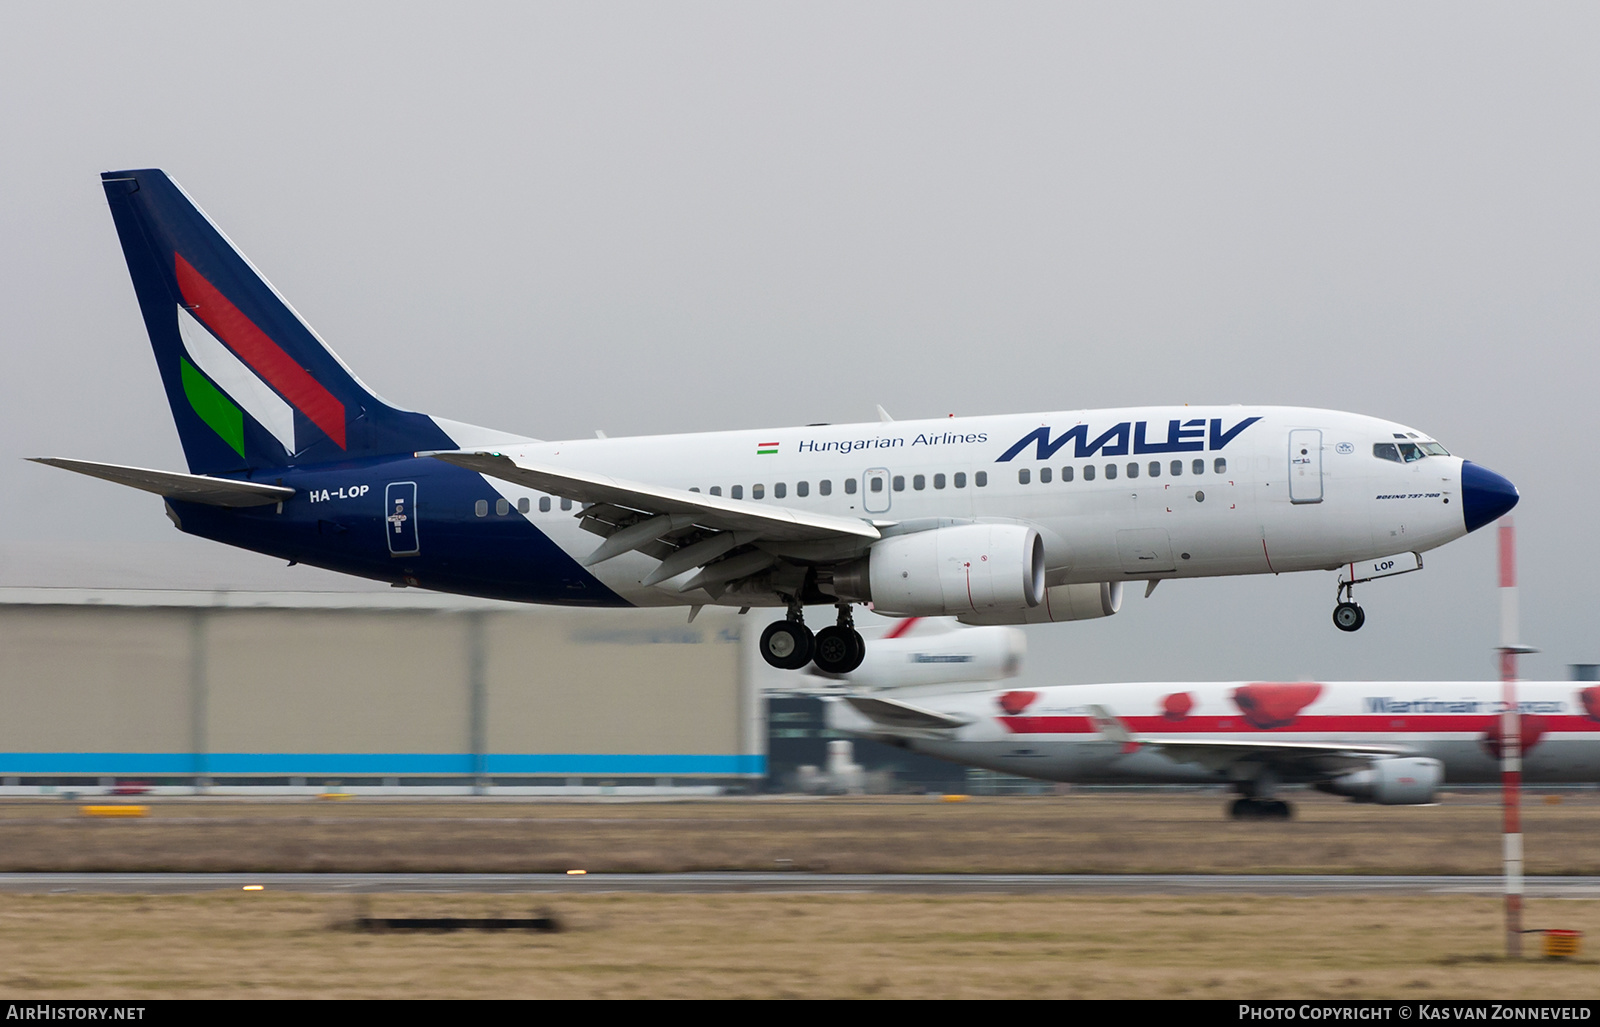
[193, 488]
[682, 529]
[892, 713]
[771, 521]
[1309, 757]
[1221, 753]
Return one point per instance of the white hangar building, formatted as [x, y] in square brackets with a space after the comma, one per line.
[403, 691]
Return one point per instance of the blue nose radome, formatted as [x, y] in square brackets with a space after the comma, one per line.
[1484, 495]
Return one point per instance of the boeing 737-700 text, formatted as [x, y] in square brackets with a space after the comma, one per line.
[1023, 518]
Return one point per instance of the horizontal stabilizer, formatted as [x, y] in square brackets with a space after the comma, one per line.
[894, 713]
[193, 488]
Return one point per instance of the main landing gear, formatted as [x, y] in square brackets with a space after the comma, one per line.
[1347, 616]
[789, 645]
[1260, 809]
[1255, 800]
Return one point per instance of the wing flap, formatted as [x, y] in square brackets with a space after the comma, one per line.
[193, 488]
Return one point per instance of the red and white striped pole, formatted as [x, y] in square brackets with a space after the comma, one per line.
[1510, 738]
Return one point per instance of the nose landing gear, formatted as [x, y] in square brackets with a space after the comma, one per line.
[1347, 616]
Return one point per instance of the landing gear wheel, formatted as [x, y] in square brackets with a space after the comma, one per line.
[1260, 809]
[839, 650]
[787, 644]
[1348, 617]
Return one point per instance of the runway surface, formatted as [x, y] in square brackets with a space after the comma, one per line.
[803, 883]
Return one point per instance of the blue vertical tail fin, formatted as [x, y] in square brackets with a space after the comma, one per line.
[250, 384]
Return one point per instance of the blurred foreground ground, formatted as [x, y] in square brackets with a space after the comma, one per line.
[276, 945]
[1075, 833]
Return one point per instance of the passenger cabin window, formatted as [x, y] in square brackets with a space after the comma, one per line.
[1198, 467]
[544, 504]
[779, 490]
[877, 485]
[736, 492]
[523, 505]
[716, 490]
[1022, 476]
[481, 508]
[849, 487]
[825, 487]
[1044, 475]
[899, 483]
[501, 507]
[1155, 468]
[1176, 468]
[1088, 472]
[981, 479]
[938, 481]
[803, 489]
[1111, 471]
[961, 479]
[1066, 474]
[1219, 466]
[758, 492]
[566, 504]
[1133, 470]
[919, 482]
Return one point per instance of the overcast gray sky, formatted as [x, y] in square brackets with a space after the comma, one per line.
[665, 217]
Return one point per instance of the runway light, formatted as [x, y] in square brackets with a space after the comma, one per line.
[254, 887]
[574, 873]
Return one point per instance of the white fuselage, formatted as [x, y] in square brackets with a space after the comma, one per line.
[1049, 733]
[1128, 494]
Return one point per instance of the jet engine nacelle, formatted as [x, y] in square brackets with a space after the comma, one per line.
[964, 569]
[1402, 781]
[1084, 601]
[964, 654]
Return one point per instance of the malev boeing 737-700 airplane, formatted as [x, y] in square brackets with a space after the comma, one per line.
[1017, 519]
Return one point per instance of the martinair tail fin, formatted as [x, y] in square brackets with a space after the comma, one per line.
[250, 384]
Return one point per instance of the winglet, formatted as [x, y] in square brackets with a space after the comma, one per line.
[1113, 728]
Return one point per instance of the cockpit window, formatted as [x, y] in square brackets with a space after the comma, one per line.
[1407, 452]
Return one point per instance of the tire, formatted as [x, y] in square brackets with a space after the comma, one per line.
[1348, 617]
[787, 645]
[839, 650]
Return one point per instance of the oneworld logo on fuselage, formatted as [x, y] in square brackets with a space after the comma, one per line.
[1182, 436]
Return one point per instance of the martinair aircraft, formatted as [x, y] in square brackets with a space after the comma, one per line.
[1025, 518]
[1393, 743]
